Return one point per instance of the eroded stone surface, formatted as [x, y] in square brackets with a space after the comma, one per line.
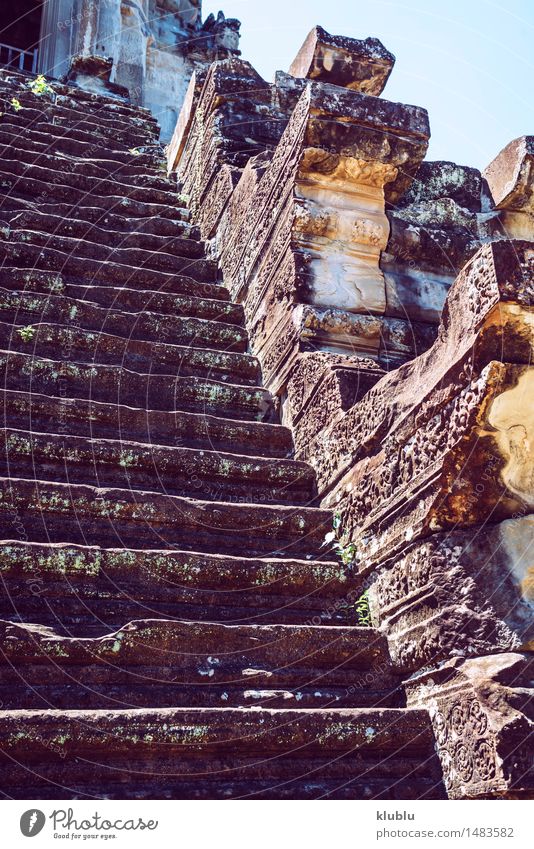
[482, 717]
[464, 593]
[510, 176]
[359, 65]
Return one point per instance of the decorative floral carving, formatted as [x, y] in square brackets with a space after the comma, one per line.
[477, 718]
[484, 756]
[463, 762]
[458, 718]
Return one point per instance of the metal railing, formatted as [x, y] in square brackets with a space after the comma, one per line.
[14, 57]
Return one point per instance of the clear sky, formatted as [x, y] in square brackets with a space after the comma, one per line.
[469, 62]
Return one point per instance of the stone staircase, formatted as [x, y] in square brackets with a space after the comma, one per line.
[171, 624]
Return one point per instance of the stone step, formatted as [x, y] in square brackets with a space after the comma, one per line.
[191, 302]
[100, 169]
[219, 753]
[103, 106]
[109, 145]
[115, 384]
[85, 590]
[163, 303]
[80, 98]
[97, 186]
[48, 414]
[78, 143]
[111, 131]
[80, 268]
[42, 511]
[187, 253]
[111, 126]
[17, 280]
[105, 122]
[26, 308]
[124, 464]
[84, 213]
[102, 348]
[50, 190]
[162, 663]
[178, 244]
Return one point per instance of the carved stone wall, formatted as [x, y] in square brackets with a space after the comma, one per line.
[437, 498]
[482, 716]
[392, 316]
[327, 225]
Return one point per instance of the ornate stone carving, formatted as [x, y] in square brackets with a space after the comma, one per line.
[467, 592]
[482, 733]
[291, 182]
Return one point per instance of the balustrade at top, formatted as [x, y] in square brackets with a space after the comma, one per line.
[15, 57]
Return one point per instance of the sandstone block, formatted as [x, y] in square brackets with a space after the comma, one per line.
[486, 318]
[482, 718]
[349, 62]
[435, 180]
[511, 175]
[465, 593]
[321, 387]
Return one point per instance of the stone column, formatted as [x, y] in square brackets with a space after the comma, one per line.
[59, 27]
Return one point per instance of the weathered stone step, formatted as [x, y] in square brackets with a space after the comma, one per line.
[161, 663]
[54, 512]
[148, 176]
[118, 385]
[49, 190]
[163, 303]
[220, 753]
[23, 308]
[17, 280]
[89, 590]
[101, 169]
[104, 272]
[187, 252]
[96, 186]
[80, 98]
[110, 146]
[76, 145]
[210, 299]
[107, 122]
[102, 348]
[113, 131]
[102, 106]
[48, 414]
[178, 244]
[176, 224]
[210, 475]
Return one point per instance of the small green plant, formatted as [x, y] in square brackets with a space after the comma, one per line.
[26, 333]
[363, 611]
[344, 548]
[16, 104]
[40, 86]
[127, 459]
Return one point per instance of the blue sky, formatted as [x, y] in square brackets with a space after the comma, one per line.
[469, 62]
